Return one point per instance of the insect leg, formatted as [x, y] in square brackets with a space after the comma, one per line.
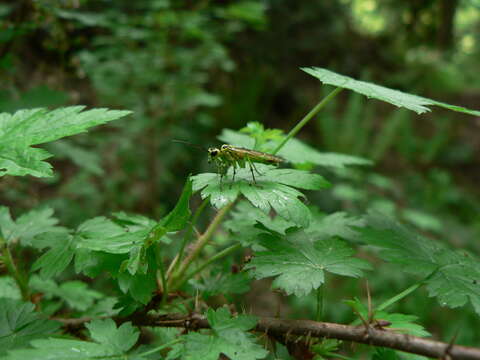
[221, 172]
[234, 172]
[221, 181]
[256, 170]
[251, 166]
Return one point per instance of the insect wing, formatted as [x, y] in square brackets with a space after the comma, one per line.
[255, 156]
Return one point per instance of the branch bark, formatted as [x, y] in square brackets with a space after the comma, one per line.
[285, 327]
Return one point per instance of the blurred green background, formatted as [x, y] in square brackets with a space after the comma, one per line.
[188, 69]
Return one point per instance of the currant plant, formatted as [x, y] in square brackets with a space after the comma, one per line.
[180, 286]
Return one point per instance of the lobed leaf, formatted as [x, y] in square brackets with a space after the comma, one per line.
[75, 293]
[221, 282]
[18, 132]
[245, 217]
[273, 190]
[395, 97]
[9, 288]
[20, 324]
[27, 226]
[299, 261]
[111, 342]
[451, 276]
[58, 257]
[336, 224]
[133, 234]
[120, 339]
[229, 337]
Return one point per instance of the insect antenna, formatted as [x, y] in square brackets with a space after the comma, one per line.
[190, 144]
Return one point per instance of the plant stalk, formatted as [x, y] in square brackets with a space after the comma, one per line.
[214, 258]
[186, 238]
[161, 347]
[162, 284]
[400, 296]
[307, 118]
[22, 283]
[201, 242]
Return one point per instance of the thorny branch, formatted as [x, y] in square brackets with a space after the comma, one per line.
[283, 327]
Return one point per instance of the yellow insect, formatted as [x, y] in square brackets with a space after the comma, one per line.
[237, 157]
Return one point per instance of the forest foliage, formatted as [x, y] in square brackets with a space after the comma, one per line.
[119, 243]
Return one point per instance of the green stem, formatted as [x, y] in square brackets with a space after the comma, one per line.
[186, 238]
[214, 258]
[308, 117]
[319, 315]
[338, 356]
[158, 348]
[163, 285]
[201, 242]
[13, 270]
[399, 296]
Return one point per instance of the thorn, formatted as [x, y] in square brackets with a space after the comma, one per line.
[446, 353]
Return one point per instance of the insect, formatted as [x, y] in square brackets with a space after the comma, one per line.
[236, 157]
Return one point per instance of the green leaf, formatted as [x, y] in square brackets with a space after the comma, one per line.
[336, 224]
[261, 135]
[119, 339]
[422, 220]
[75, 293]
[299, 261]
[18, 132]
[110, 342]
[244, 218]
[9, 288]
[273, 190]
[90, 160]
[221, 282]
[295, 151]
[28, 225]
[111, 246]
[132, 234]
[20, 324]
[94, 263]
[251, 12]
[102, 234]
[326, 348]
[140, 286]
[104, 307]
[179, 216]
[412, 102]
[399, 322]
[387, 354]
[229, 337]
[125, 234]
[452, 276]
[61, 253]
